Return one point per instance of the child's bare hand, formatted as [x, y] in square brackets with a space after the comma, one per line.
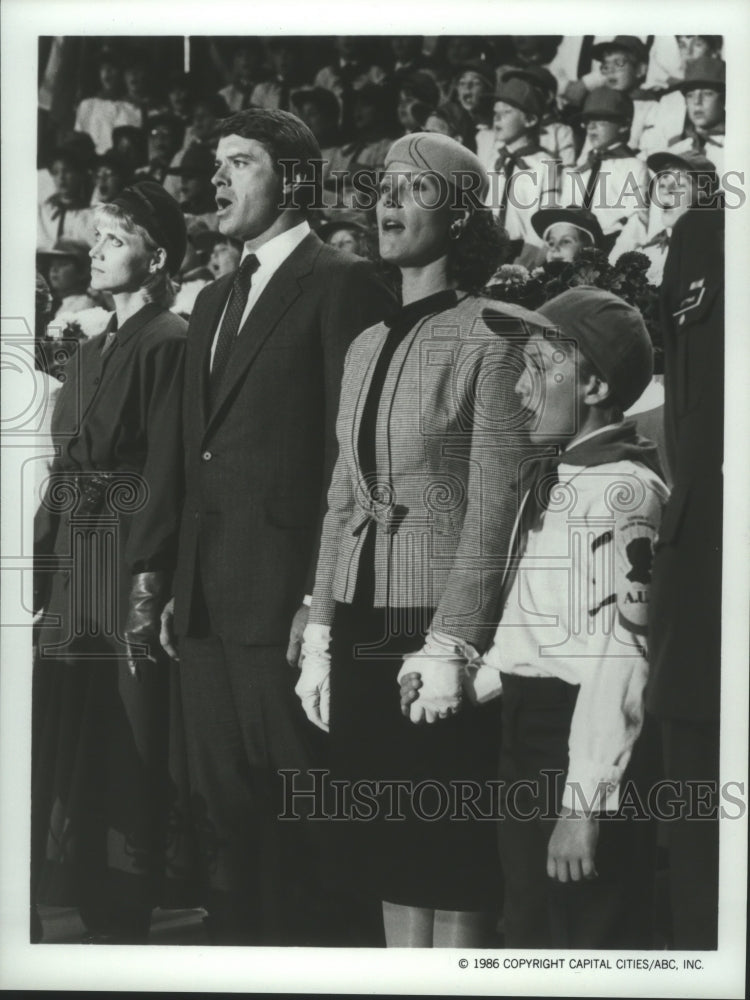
[572, 848]
[410, 685]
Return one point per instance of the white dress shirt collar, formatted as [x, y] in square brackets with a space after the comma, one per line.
[270, 258]
[273, 253]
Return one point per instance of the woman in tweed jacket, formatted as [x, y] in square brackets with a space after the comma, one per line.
[421, 506]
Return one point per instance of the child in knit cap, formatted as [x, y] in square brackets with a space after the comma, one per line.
[624, 64]
[555, 136]
[525, 176]
[612, 182]
[570, 655]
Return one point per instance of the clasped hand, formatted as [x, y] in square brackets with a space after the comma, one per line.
[435, 680]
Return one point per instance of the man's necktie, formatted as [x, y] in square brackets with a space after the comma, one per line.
[109, 340]
[231, 325]
[594, 163]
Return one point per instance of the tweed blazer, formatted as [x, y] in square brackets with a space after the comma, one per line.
[448, 453]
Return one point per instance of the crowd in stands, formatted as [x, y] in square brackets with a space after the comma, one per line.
[621, 135]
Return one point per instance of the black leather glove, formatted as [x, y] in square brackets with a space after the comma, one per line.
[148, 595]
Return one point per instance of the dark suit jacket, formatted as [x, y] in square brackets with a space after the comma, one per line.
[685, 610]
[257, 467]
[119, 414]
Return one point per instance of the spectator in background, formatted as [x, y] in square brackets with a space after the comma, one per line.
[704, 90]
[131, 145]
[373, 119]
[474, 90]
[407, 54]
[138, 85]
[197, 193]
[207, 113]
[285, 57]
[453, 120]
[681, 181]
[165, 135]
[669, 72]
[567, 231]
[624, 62]
[668, 55]
[112, 175]
[353, 68]
[223, 252]
[319, 110]
[68, 271]
[82, 146]
[576, 70]
[610, 181]
[524, 52]
[246, 72]
[180, 96]
[535, 50]
[210, 255]
[459, 50]
[100, 114]
[66, 213]
[525, 176]
[348, 232]
[554, 135]
[418, 93]
[671, 118]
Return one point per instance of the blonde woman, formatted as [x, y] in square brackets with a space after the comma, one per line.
[105, 536]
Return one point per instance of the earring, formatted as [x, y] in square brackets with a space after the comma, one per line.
[455, 229]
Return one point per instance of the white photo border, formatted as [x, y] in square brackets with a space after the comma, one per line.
[186, 968]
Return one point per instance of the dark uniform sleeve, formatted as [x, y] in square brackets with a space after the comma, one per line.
[358, 298]
[152, 540]
[669, 300]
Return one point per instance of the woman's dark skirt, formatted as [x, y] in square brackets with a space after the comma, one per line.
[423, 850]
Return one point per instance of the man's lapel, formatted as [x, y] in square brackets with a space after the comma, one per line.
[281, 291]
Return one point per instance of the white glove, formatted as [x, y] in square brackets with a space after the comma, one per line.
[482, 683]
[441, 664]
[482, 680]
[313, 687]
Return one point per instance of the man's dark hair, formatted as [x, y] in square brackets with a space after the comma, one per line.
[287, 140]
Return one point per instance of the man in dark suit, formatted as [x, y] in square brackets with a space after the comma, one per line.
[685, 612]
[266, 348]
